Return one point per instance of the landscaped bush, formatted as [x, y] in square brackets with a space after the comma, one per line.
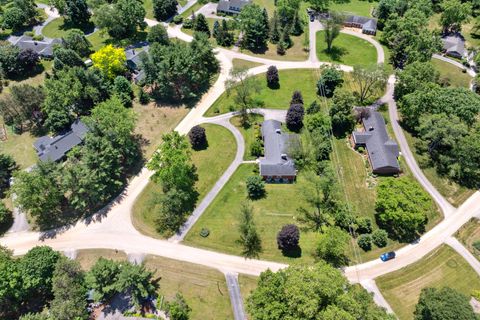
[288, 237]
[204, 232]
[272, 77]
[314, 107]
[256, 149]
[158, 34]
[178, 19]
[364, 225]
[294, 117]
[365, 242]
[380, 238]
[198, 137]
[255, 187]
[297, 98]
[188, 24]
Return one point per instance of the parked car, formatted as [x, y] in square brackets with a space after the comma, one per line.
[387, 256]
[312, 18]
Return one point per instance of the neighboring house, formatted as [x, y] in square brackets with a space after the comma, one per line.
[231, 6]
[276, 165]
[44, 48]
[368, 25]
[382, 151]
[56, 148]
[134, 62]
[454, 46]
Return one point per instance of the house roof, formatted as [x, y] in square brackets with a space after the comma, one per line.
[454, 44]
[369, 24]
[276, 144]
[134, 56]
[382, 150]
[55, 148]
[43, 47]
[226, 5]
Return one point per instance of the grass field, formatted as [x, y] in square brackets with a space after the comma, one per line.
[20, 147]
[248, 133]
[452, 74]
[210, 167]
[204, 289]
[57, 28]
[442, 267]
[357, 7]
[295, 53]
[469, 234]
[290, 80]
[240, 63]
[346, 49]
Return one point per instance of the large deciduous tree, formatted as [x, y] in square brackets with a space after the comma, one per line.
[341, 112]
[75, 40]
[454, 13]
[111, 61]
[244, 87]
[332, 27]
[330, 79]
[255, 29]
[368, 81]
[445, 303]
[121, 19]
[164, 9]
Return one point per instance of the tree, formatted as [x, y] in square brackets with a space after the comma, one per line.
[402, 208]
[454, 14]
[22, 105]
[216, 29]
[178, 309]
[102, 278]
[6, 218]
[255, 30]
[7, 167]
[69, 291]
[158, 34]
[11, 289]
[201, 24]
[27, 60]
[75, 40]
[164, 9]
[341, 112]
[365, 242]
[329, 80]
[414, 76]
[122, 88]
[121, 19]
[111, 61]
[380, 238]
[310, 292]
[224, 35]
[66, 58]
[297, 98]
[249, 238]
[332, 26]
[368, 80]
[20, 13]
[198, 137]
[273, 80]
[445, 303]
[39, 192]
[313, 108]
[75, 12]
[255, 187]
[288, 237]
[138, 281]
[294, 118]
[9, 58]
[34, 316]
[332, 246]
[244, 87]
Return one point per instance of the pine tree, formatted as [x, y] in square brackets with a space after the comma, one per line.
[266, 21]
[201, 25]
[274, 28]
[216, 29]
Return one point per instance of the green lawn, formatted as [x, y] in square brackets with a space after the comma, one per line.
[357, 7]
[469, 234]
[295, 53]
[192, 9]
[290, 80]
[20, 147]
[148, 5]
[240, 63]
[452, 74]
[347, 49]
[204, 289]
[57, 28]
[211, 22]
[442, 267]
[210, 167]
[278, 208]
[248, 132]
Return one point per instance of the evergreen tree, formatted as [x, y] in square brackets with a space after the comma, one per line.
[216, 29]
[274, 28]
[201, 25]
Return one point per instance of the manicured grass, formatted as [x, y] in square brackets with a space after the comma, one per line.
[347, 49]
[148, 5]
[204, 288]
[248, 132]
[20, 147]
[99, 39]
[57, 28]
[290, 80]
[443, 267]
[211, 163]
[211, 22]
[295, 53]
[452, 191]
[192, 9]
[279, 207]
[452, 74]
[357, 7]
[469, 234]
[240, 63]
[247, 285]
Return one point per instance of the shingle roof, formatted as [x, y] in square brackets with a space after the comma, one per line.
[276, 144]
[43, 47]
[382, 150]
[134, 57]
[454, 44]
[55, 148]
[228, 5]
[368, 24]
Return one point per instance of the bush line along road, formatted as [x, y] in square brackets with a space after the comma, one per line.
[112, 228]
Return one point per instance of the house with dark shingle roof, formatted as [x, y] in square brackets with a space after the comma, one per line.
[368, 25]
[44, 48]
[231, 6]
[382, 151]
[56, 148]
[454, 46]
[276, 165]
[134, 62]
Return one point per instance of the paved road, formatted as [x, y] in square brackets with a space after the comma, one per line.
[235, 296]
[371, 287]
[455, 63]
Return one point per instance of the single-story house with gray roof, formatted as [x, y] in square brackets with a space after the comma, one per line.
[56, 148]
[231, 6]
[44, 48]
[368, 25]
[134, 62]
[276, 165]
[454, 46]
[382, 151]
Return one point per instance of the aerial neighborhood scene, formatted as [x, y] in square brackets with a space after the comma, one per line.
[240, 159]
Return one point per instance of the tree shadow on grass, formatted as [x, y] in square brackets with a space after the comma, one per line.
[292, 252]
[87, 28]
[336, 53]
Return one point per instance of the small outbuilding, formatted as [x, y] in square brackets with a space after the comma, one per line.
[382, 151]
[231, 6]
[276, 165]
[454, 46]
[134, 62]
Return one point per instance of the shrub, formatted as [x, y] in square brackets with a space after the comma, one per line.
[255, 187]
[294, 117]
[38, 37]
[204, 232]
[380, 238]
[297, 98]
[314, 107]
[6, 217]
[288, 237]
[330, 79]
[188, 24]
[28, 59]
[143, 97]
[256, 148]
[476, 245]
[177, 19]
[198, 137]
[273, 79]
[158, 34]
[365, 242]
[364, 225]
